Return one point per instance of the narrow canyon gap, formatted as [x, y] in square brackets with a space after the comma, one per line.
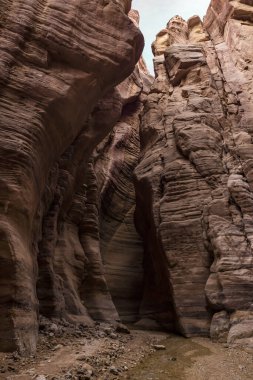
[123, 196]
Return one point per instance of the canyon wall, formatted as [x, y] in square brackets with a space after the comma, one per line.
[60, 62]
[194, 179]
[123, 197]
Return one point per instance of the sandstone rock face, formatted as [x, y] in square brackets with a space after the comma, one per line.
[194, 180]
[114, 161]
[124, 198]
[59, 64]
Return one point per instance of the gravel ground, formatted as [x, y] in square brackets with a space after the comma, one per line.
[108, 352]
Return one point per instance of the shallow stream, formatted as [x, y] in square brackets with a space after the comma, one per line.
[172, 363]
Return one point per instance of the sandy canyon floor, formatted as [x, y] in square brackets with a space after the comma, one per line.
[106, 353]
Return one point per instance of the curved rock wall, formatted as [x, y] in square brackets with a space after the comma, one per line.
[122, 198]
[58, 61]
[114, 162]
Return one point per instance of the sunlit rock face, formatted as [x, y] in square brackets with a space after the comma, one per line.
[60, 62]
[194, 180]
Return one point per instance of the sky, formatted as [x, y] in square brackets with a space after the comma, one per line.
[156, 13]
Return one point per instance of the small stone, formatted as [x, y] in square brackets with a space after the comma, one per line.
[120, 328]
[31, 371]
[15, 356]
[40, 377]
[85, 372]
[114, 371]
[85, 376]
[113, 336]
[159, 347]
[108, 330]
[81, 357]
[172, 359]
[53, 327]
[58, 347]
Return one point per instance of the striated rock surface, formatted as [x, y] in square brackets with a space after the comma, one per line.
[59, 64]
[194, 179]
[114, 161]
[124, 198]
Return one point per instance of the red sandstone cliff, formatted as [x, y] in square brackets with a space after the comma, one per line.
[194, 179]
[59, 64]
[122, 198]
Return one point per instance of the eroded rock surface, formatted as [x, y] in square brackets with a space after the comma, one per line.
[194, 179]
[114, 161]
[60, 62]
[122, 198]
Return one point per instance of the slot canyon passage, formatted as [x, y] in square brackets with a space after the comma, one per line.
[126, 200]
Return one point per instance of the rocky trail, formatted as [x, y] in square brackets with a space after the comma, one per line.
[107, 352]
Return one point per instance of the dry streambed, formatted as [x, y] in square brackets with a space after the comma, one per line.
[106, 353]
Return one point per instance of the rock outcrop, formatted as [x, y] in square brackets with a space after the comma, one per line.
[60, 63]
[124, 198]
[194, 179]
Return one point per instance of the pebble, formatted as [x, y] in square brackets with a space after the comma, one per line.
[159, 347]
[81, 358]
[16, 356]
[108, 330]
[85, 376]
[122, 329]
[53, 327]
[85, 372]
[114, 371]
[31, 371]
[58, 347]
[113, 336]
[40, 377]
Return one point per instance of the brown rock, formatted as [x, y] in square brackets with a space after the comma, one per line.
[122, 198]
[194, 182]
[57, 61]
[220, 326]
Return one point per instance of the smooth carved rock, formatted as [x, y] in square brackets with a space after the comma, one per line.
[114, 162]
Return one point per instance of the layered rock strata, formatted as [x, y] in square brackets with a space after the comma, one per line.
[60, 62]
[111, 192]
[194, 179]
[119, 201]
